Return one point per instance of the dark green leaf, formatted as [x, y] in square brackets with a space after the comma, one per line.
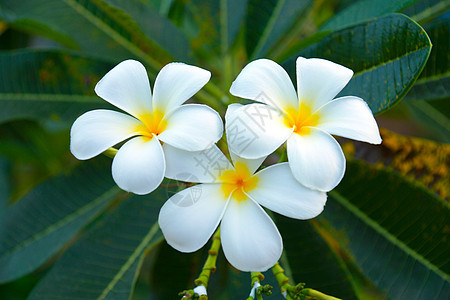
[311, 260]
[217, 23]
[385, 68]
[434, 115]
[434, 82]
[71, 23]
[41, 223]
[140, 19]
[396, 231]
[364, 10]
[104, 263]
[268, 21]
[429, 98]
[426, 10]
[48, 84]
[4, 188]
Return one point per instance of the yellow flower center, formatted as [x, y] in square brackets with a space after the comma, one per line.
[301, 119]
[152, 124]
[238, 181]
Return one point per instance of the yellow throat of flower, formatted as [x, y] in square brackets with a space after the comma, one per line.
[152, 124]
[301, 119]
[238, 181]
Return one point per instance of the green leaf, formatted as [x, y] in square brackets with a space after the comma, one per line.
[268, 21]
[385, 68]
[395, 230]
[49, 216]
[434, 82]
[4, 188]
[217, 23]
[434, 115]
[104, 263]
[101, 30]
[41, 84]
[309, 259]
[364, 10]
[70, 22]
[429, 97]
[148, 29]
[426, 10]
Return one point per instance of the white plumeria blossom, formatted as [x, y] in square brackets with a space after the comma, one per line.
[139, 165]
[305, 119]
[232, 195]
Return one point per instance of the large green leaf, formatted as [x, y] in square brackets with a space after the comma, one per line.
[104, 263]
[217, 23]
[4, 188]
[77, 24]
[435, 116]
[311, 260]
[434, 82]
[395, 230]
[267, 21]
[140, 20]
[112, 30]
[385, 68]
[364, 10]
[48, 84]
[429, 97]
[49, 216]
[427, 10]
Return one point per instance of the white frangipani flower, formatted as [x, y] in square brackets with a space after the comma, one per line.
[232, 195]
[306, 121]
[139, 165]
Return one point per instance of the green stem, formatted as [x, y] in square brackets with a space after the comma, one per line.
[111, 152]
[210, 264]
[298, 291]
[283, 156]
[256, 276]
[317, 295]
[283, 280]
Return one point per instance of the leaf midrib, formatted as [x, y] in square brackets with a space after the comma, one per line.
[358, 73]
[49, 97]
[132, 258]
[67, 219]
[112, 33]
[387, 235]
[270, 25]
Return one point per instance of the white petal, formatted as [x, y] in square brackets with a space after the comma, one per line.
[127, 87]
[252, 164]
[176, 83]
[97, 130]
[189, 218]
[250, 239]
[200, 166]
[265, 81]
[349, 117]
[139, 165]
[316, 160]
[320, 80]
[278, 190]
[256, 130]
[231, 109]
[192, 127]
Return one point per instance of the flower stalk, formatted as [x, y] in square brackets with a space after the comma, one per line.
[297, 292]
[210, 264]
[257, 289]
[111, 152]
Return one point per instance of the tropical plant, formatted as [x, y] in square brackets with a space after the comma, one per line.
[67, 230]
